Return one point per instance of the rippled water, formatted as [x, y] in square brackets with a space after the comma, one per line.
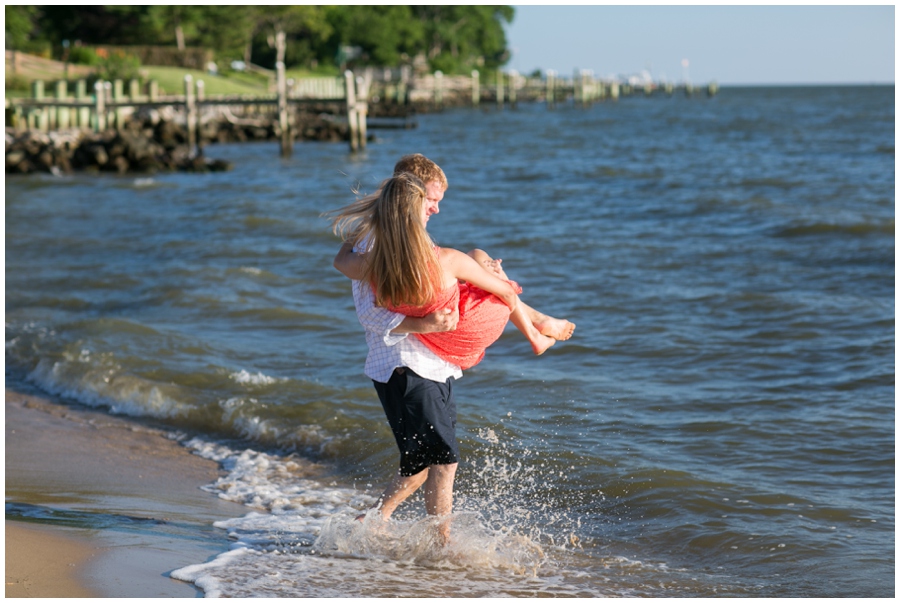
[721, 423]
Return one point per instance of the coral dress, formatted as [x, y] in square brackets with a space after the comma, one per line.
[482, 318]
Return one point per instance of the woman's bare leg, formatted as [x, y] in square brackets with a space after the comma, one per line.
[539, 343]
[556, 328]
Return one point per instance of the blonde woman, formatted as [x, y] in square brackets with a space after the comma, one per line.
[412, 276]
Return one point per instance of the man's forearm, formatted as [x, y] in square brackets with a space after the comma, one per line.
[436, 322]
[411, 324]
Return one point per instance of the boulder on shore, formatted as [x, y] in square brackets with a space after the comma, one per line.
[129, 151]
[150, 143]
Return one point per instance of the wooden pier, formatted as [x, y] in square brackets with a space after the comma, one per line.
[353, 97]
[109, 106]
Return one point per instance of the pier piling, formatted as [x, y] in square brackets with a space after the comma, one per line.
[287, 143]
[190, 107]
[99, 107]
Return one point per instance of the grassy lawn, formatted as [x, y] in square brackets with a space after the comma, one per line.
[171, 81]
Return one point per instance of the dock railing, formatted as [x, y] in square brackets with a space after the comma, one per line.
[108, 106]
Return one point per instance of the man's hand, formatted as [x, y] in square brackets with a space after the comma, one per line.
[436, 322]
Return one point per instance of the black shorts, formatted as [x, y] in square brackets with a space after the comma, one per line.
[422, 415]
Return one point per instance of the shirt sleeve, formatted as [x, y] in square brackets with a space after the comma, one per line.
[379, 321]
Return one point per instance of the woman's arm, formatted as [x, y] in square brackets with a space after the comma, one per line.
[348, 263]
[464, 268]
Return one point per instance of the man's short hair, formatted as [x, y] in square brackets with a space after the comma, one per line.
[422, 168]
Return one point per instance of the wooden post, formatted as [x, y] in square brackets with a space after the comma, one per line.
[62, 113]
[499, 88]
[476, 87]
[576, 80]
[350, 96]
[513, 76]
[39, 114]
[84, 113]
[281, 90]
[362, 109]
[201, 96]
[134, 90]
[190, 112]
[551, 85]
[403, 89]
[438, 88]
[99, 107]
[18, 121]
[586, 87]
[118, 94]
[153, 91]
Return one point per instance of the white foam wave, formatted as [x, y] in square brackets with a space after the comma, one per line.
[245, 378]
[301, 539]
[243, 415]
[100, 384]
[289, 489]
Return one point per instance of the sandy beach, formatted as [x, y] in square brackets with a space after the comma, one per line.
[99, 505]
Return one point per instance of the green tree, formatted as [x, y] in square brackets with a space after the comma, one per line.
[461, 37]
[301, 25]
[20, 25]
[167, 23]
[388, 35]
[94, 24]
[226, 28]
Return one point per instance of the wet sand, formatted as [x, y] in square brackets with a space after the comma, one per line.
[45, 562]
[99, 505]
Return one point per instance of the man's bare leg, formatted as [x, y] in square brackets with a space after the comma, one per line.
[439, 494]
[557, 328]
[400, 488]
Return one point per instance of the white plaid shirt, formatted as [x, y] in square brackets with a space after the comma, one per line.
[387, 351]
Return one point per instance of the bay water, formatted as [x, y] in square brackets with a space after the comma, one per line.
[720, 424]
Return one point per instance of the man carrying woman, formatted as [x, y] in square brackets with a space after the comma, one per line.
[417, 341]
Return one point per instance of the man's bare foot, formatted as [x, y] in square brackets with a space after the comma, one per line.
[541, 344]
[362, 518]
[443, 532]
[557, 328]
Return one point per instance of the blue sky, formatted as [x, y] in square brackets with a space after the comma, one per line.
[728, 44]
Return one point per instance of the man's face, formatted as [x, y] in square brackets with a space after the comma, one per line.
[434, 192]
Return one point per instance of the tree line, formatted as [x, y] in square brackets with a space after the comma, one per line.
[454, 39]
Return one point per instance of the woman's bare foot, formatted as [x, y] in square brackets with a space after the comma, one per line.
[541, 343]
[557, 328]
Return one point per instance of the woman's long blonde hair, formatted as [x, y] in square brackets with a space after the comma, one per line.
[401, 262]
